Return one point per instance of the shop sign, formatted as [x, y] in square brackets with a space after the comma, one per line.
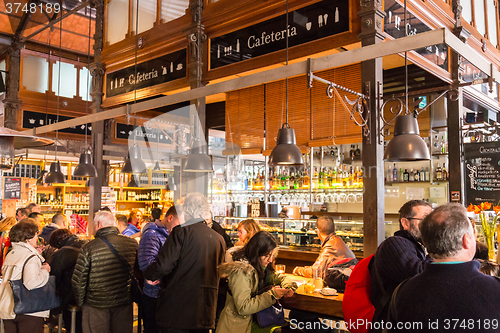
[141, 133]
[482, 172]
[36, 119]
[322, 19]
[12, 188]
[150, 73]
[394, 26]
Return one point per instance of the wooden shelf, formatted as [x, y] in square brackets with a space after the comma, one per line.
[140, 201]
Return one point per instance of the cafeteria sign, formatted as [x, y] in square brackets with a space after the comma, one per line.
[322, 19]
[150, 73]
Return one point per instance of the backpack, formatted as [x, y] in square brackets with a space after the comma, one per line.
[338, 272]
[356, 305]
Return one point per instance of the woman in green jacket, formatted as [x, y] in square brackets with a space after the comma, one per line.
[252, 271]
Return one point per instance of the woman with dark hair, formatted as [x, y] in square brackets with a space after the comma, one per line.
[253, 284]
[24, 237]
[63, 264]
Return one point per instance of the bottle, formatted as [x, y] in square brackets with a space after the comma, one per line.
[315, 179]
[320, 178]
[422, 175]
[307, 180]
[439, 172]
[401, 175]
[300, 180]
[411, 176]
[350, 183]
[357, 153]
[416, 177]
[436, 148]
[352, 152]
[356, 177]
[406, 176]
[339, 176]
[443, 145]
[427, 174]
[388, 177]
[331, 178]
[445, 173]
[345, 177]
[250, 181]
[360, 178]
[394, 174]
[325, 178]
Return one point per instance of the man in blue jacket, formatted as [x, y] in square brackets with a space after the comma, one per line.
[153, 236]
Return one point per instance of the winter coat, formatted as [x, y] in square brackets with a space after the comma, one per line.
[130, 230]
[333, 248]
[99, 279]
[153, 236]
[47, 231]
[187, 266]
[34, 276]
[241, 301]
[62, 267]
[217, 227]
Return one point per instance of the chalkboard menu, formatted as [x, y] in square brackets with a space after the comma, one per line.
[12, 188]
[482, 172]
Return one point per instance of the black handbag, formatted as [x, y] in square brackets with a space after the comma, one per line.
[135, 289]
[271, 316]
[34, 300]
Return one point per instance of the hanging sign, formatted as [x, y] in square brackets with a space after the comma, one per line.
[36, 119]
[141, 133]
[482, 172]
[12, 188]
[394, 26]
[322, 19]
[150, 73]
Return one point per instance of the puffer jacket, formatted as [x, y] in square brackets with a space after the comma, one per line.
[34, 277]
[153, 236]
[99, 279]
[130, 230]
[333, 248]
[241, 302]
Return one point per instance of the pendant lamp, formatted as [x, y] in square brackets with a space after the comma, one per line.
[286, 151]
[406, 145]
[198, 161]
[171, 184]
[55, 175]
[85, 168]
[11, 140]
[134, 162]
[133, 182]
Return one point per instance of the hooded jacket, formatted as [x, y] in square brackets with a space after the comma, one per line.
[47, 231]
[242, 301]
[99, 279]
[153, 236]
[130, 230]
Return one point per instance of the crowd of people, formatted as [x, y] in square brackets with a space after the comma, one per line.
[195, 280]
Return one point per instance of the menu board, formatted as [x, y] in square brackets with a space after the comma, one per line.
[12, 188]
[482, 172]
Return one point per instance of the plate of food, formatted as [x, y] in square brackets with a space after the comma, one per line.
[328, 292]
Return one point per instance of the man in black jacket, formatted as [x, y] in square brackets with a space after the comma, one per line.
[100, 281]
[450, 294]
[187, 268]
[398, 257]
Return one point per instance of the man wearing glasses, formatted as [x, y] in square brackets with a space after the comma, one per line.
[398, 257]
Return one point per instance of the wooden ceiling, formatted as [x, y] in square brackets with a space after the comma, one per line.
[75, 27]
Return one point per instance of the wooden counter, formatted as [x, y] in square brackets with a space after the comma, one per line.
[294, 256]
[329, 306]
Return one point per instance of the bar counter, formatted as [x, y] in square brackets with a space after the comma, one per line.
[329, 306]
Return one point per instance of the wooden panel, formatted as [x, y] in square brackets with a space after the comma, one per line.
[245, 117]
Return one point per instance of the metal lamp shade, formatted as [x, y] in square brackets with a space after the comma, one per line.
[133, 182]
[406, 145]
[198, 161]
[157, 166]
[134, 162]
[171, 184]
[85, 167]
[55, 175]
[286, 151]
[10, 140]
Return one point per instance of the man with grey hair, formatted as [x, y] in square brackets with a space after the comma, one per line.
[100, 281]
[450, 294]
[187, 268]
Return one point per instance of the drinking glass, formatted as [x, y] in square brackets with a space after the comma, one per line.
[280, 269]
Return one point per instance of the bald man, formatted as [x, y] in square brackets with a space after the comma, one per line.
[332, 248]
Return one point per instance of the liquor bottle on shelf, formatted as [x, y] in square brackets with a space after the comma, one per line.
[416, 176]
[250, 181]
[350, 183]
[427, 174]
[352, 152]
[357, 153]
[307, 180]
[411, 176]
[388, 176]
[436, 145]
[406, 176]
[422, 175]
[315, 179]
[401, 175]
[360, 178]
[445, 173]
[439, 172]
[443, 145]
[345, 178]
[394, 174]
[340, 175]
[332, 176]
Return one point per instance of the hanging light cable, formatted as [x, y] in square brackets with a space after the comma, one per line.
[286, 151]
[85, 167]
[55, 174]
[406, 145]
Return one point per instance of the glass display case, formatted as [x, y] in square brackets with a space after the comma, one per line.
[300, 234]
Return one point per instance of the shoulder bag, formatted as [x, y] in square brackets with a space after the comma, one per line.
[34, 300]
[271, 316]
[135, 289]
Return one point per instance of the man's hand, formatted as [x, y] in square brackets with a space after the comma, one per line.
[153, 283]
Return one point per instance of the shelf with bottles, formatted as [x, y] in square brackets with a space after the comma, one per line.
[139, 194]
[157, 178]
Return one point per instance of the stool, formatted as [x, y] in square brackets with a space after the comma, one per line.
[73, 309]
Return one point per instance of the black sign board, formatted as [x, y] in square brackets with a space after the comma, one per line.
[12, 188]
[150, 73]
[141, 133]
[322, 19]
[36, 119]
[482, 172]
[394, 26]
